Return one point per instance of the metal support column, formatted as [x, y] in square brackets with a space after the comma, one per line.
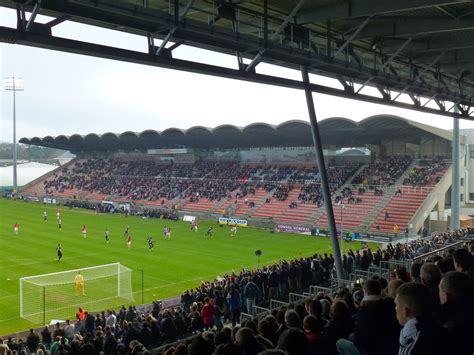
[322, 172]
[455, 183]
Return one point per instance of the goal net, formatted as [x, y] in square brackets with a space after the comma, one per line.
[59, 295]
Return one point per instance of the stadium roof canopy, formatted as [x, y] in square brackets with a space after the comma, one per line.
[418, 54]
[336, 131]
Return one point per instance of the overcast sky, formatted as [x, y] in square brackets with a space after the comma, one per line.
[68, 93]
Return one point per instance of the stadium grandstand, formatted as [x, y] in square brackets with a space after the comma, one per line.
[411, 295]
[266, 174]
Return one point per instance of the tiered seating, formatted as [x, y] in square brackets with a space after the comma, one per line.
[38, 188]
[275, 208]
[34, 189]
[67, 193]
[242, 208]
[352, 214]
[207, 186]
[297, 215]
[95, 196]
[401, 209]
[203, 205]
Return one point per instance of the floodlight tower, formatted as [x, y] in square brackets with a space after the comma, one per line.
[14, 84]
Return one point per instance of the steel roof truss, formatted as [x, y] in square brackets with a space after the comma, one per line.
[361, 8]
[275, 34]
[78, 47]
[352, 36]
[33, 15]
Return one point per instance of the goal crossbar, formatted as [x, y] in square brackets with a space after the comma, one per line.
[72, 270]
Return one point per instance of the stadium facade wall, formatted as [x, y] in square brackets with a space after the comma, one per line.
[429, 147]
[303, 156]
[435, 200]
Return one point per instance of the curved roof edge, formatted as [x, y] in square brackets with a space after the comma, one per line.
[271, 134]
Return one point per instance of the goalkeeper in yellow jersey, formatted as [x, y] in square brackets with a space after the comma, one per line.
[79, 283]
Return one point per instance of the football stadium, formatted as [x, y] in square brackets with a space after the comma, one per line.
[329, 237]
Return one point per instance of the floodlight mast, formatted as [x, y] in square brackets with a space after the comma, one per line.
[14, 84]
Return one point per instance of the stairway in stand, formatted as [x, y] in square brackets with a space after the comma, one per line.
[352, 214]
[241, 208]
[318, 212]
[370, 221]
[401, 209]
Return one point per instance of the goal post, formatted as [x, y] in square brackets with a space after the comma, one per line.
[58, 296]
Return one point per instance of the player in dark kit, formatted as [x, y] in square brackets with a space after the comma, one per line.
[107, 235]
[151, 243]
[60, 223]
[125, 232]
[59, 252]
[209, 231]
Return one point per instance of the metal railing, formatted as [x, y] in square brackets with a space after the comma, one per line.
[260, 311]
[379, 271]
[276, 304]
[441, 252]
[244, 317]
[337, 283]
[396, 264]
[297, 297]
[358, 278]
[314, 290]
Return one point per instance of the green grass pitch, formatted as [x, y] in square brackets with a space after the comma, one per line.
[175, 265]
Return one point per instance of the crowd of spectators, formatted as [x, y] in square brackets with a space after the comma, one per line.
[322, 325]
[427, 173]
[383, 171]
[429, 310]
[337, 176]
[281, 191]
[152, 181]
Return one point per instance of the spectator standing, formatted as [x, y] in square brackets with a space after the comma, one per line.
[430, 276]
[463, 262]
[32, 341]
[69, 330]
[4, 349]
[46, 336]
[110, 344]
[419, 334]
[365, 261]
[340, 326]
[80, 314]
[250, 293]
[233, 301]
[456, 293]
[110, 320]
[89, 322]
[207, 313]
[58, 331]
[369, 336]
